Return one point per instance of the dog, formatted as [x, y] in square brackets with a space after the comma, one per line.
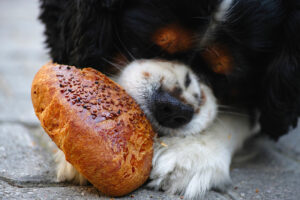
[208, 74]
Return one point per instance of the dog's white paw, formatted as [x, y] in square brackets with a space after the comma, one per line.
[189, 166]
[66, 172]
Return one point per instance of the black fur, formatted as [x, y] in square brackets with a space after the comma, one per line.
[263, 36]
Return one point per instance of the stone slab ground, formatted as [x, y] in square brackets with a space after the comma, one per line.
[270, 171]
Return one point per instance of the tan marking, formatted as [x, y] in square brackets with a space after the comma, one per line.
[174, 38]
[203, 99]
[218, 57]
[176, 91]
[162, 80]
[146, 74]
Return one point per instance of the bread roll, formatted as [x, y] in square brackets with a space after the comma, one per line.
[100, 128]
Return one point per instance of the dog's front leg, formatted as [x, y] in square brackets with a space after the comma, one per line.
[192, 165]
[65, 171]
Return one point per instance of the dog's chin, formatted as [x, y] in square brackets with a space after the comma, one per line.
[142, 78]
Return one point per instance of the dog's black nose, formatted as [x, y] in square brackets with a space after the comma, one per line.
[169, 111]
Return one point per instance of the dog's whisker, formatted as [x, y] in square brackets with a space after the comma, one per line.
[233, 113]
[125, 48]
[229, 108]
[225, 106]
[118, 67]
[220, 121]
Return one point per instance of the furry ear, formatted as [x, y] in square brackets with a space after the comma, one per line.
[281, 85]
[80, 32]
[281, 95]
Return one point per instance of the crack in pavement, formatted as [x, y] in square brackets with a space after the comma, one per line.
[38, 184]
[31, 183]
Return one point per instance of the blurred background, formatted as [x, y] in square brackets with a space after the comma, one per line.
[22, 53]
[26, 163]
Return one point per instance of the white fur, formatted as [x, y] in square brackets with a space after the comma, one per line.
[218, 17]
[198, 155]
[65, 171]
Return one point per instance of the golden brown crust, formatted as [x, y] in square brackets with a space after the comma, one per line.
[100, 128]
